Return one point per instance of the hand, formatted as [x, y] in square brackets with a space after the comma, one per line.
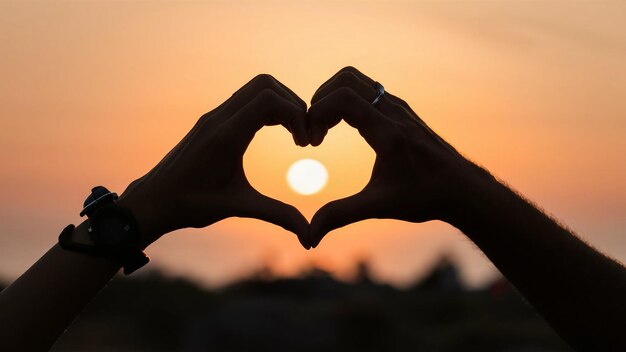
[202, 181]
[417, 176]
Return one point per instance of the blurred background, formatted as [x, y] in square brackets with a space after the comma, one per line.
[98, 92]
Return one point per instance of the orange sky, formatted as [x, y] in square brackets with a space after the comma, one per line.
[97, 93]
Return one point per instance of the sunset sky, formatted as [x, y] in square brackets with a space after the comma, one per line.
[97, 93]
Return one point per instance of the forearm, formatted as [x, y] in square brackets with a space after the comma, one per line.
[419, 177]
[579, 291]
[41, 304]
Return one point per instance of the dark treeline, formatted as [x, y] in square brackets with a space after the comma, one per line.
[313, 312]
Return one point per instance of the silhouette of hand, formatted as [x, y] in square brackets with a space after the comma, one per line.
[416, 177]
[202, 181]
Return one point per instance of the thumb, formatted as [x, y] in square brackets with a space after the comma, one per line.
[264, 208]
[342, 212]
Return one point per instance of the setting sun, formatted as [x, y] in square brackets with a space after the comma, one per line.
[307, 176]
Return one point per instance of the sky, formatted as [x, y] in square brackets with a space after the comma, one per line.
[96, 93]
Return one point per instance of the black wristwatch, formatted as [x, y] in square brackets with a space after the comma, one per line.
[112, 229]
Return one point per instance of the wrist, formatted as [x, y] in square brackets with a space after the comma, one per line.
[81, 234]
[146, 217]
[479, 196]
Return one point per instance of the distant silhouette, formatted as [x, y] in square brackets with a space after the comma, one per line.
[262, 313]
[417, 177]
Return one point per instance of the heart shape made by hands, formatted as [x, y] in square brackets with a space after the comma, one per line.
[347, 157]
[348, 91]
[416, 176]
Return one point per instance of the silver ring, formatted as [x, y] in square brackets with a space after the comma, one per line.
[380, 91]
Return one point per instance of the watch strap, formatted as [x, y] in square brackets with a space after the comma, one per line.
[100, 207]
[130, 259]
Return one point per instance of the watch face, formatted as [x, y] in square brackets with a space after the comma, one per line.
[110, 226]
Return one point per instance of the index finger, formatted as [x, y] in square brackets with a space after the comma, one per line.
[267, 108]
[249, 92]
[344, 103]
[366, 89]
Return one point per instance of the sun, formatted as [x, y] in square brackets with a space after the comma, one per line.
[307, 176]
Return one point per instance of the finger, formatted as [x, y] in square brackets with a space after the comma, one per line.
[353, 70]
[240, 98]
[267, 108]
[256, 84]
[342, 212]
[297, 127]
[259, 206]
[357, 112]
[398, 102]
[369, 82]
[328, 81]
[249, 91]
[299, 131]
[389, 104]
[350, 76]
[346, 79]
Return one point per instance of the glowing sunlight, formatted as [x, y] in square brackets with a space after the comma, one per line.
[307, 176]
